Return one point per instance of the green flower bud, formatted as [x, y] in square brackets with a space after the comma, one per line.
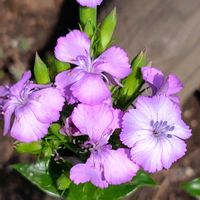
[41, 71]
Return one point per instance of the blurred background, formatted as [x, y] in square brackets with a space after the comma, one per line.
[169, 30]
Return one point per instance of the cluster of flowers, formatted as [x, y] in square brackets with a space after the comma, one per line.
[152, 133]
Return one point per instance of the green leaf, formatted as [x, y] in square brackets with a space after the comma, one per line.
[63, 182]
[88, 17]
[192, 187]
[61, 66]
[121, 191]
[106, 30]
[33, 148]
[53, 141]
[39, 176]
[83, 191]
[54, 131]
[41, 71]
[132, 84]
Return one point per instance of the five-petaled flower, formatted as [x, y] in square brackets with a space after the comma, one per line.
[86, 82]
[104, 166]
[29, 108]
[155, 132]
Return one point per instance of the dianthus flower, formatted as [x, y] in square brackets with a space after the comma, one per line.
[29, 108]
[90, 3]
[104, 166]
[169, 86]
[86, 82]
[155, 133]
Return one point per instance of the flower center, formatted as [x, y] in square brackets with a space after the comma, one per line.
[21, 97]
[161, 128]
[84, 62]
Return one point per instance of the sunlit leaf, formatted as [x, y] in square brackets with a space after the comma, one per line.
[33, 148]
[106, 31]
[192, 187]
[132, 84]
[38, 175]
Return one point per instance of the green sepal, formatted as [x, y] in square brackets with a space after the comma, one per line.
[61, 66]
[132, 84]
[53, 141]
[89, 29]
[106, 30]
[192, 187]
[55, 66]
[41, 71]
[32, 148]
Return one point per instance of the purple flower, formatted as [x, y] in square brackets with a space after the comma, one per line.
[155, 133]
[104, 165]
[169, 86]
[69, 129]
[90, 3]
[29, 109]
[86, 82]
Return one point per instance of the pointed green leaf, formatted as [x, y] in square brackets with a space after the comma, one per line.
[39, 176]
[83, 191]
[133, 83]
[106, 30]
[192, 187]
[41, 71]
[33, 148]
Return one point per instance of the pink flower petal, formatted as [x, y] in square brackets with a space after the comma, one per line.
[114, 61]
[118, 168]
[90, 171]
[174, 149]
[4, 91]
[74, 44]
[182, 130]
[154, 77]
[7, 118]
[90, 89]
[175, 99]
[70, 129]
[148, 154]
[89, 3]
[78, 174]
[26, 128]
[16, 88]
[64, 81]
[174, 85]
[99, 118]
[46, 104]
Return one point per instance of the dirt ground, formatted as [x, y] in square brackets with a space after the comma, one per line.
[28, 26]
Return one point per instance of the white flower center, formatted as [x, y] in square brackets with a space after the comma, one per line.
[161, 128]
